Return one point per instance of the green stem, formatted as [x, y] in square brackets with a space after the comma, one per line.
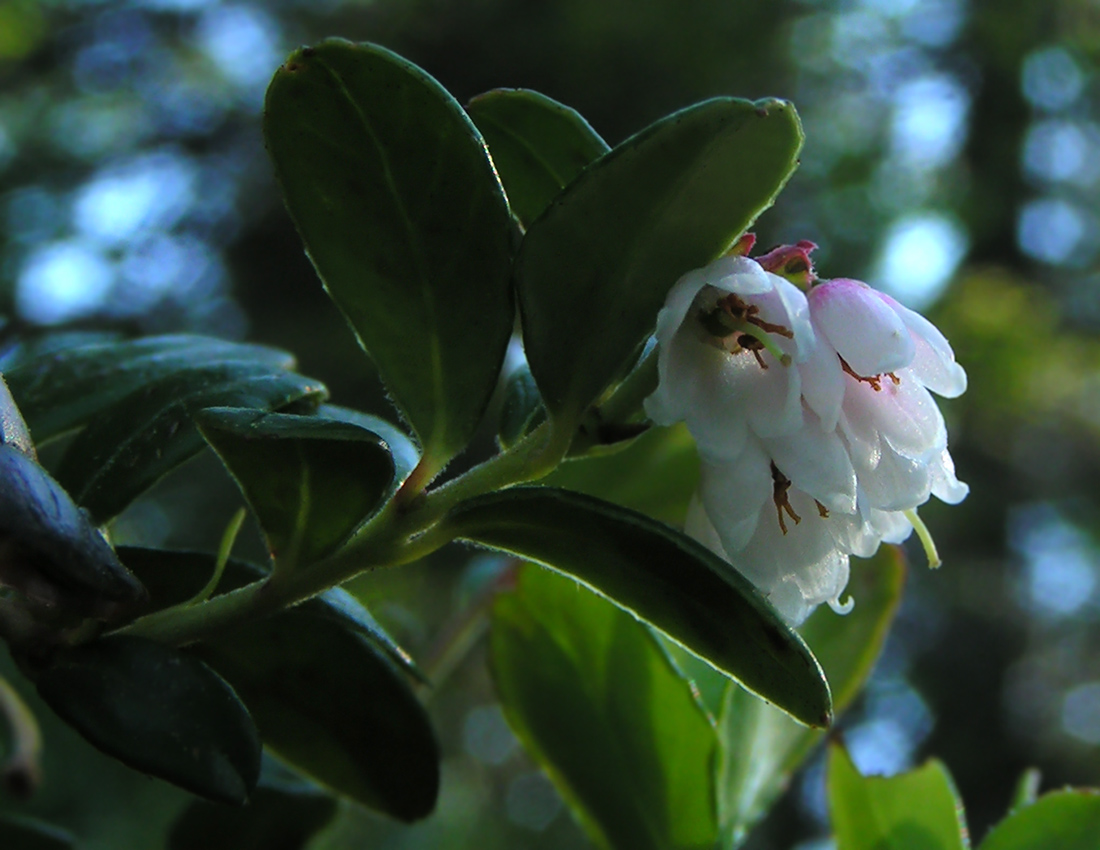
[397, 534]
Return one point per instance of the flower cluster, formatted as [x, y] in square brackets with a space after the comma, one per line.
[809, 403]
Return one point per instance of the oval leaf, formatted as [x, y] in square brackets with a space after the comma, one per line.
[538, 145]
[391, 189]
[159, 711]
[58, 391]
[656, 474]
[276, 818]
[403, 450]
[522, 409]
[918, 810]
[1066, 820]
[330, 705]
[595, 699]
[150, 432]
[663, 577]
[594, 270]
[310, 481]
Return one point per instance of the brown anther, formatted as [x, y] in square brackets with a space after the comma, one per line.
[822, 511]
[747, 342]
[874, 380]
[780, 485]
[738, 309]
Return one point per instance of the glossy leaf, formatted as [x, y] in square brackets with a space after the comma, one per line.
[663, 577]
[310, 480]
[595, 699]
[18, 833]
[538, 145]
[594, 270]
[762, 747]
[656, 474]
[330, 705]
[281, 815]
[172, 578]
[158, 710]
[58, 391]
[390, 186]
[1061, 820]
[52, 553]
[403, 450]
[918, 810]
[127, 449]
[522, 409]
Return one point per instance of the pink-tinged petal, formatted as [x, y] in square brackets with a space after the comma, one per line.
[792, 262]
[895, 482]
[817, 463]
[694, 387]
[739, 275]
[797, 320]
[772, 396]
[697, 526]
[934, 361]
[891, 526]
[799, 569]
[677, 304]
[734, 492]
[861, 326]
[945, 485]
[903, 414]
[823, 383]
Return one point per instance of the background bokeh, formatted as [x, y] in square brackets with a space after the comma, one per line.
[952, 159]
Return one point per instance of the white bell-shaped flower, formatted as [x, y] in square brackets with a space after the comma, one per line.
[817, 434]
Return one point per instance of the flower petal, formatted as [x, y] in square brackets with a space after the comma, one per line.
[817, 463]
[735, 492]
[861, 326]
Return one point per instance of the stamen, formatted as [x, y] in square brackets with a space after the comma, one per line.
[781, 484]
[822, 511]
[874, 380]
[925, 538]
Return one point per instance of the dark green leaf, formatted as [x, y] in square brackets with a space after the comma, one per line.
[310, 480]
[656, 474]
[158, 710]
[127, 449]
[279, 816]
[522, 409]
[58, 391]
[663, 577]
[918, 810]
[175, 577]
[596, 700]
[24, 834]
[330, 705]
[538, 145]
[762, 747]
[390, 186]
[402, 449]
[51, 552]
[1060, 820]
[595, 268]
